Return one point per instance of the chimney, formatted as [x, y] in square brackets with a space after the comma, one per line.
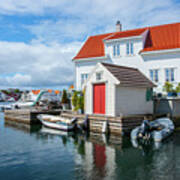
[118, 26]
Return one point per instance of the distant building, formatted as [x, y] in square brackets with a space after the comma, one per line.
[155, 51]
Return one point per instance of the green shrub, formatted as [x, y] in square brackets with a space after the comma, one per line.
[178, 88]
[168, 87]
[81, 103]
[64, 97]
[75, 100]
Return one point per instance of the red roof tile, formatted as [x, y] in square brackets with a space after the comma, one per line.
[163, 37]
[36, 92]
[159, 38]
[93, 47]
[57, 92]
[125, 34]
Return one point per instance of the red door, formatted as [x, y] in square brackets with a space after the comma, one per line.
[99, 98]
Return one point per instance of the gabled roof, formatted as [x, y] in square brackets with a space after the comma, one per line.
[129, 77]
[160, 37]
[93, 47]
[163, 37]
[125, 34]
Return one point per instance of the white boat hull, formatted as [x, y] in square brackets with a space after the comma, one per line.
[56, 124]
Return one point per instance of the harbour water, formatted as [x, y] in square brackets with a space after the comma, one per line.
[39, 153]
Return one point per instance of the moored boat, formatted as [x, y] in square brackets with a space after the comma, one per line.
[24, 104]
[57, 122]
[156, 130]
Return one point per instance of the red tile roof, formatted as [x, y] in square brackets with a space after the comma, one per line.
[57, 92]
[163, 37]
[93, 47]
[159, 38]
[71, 87]
[125, 34]
[36, 92]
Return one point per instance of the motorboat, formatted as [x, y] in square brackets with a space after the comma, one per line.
[156, 130]
[57, 122]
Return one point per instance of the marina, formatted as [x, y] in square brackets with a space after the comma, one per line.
[83, 100]
[96, 123]
[38, 153]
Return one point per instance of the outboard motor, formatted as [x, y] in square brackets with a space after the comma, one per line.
[86, 123]
[145, 129]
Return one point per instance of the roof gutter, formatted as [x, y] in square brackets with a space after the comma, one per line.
[90, 59]
[160, 51]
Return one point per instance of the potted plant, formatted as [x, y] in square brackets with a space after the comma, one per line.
[64, 100]
[168, 87]
[178, 89]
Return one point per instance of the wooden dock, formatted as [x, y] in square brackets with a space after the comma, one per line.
[116, 125]
[27, 116]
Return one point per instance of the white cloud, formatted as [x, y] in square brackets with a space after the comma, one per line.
[28, 6]
[36, 64]
[18, 80]
[84, 18]
[46, 60]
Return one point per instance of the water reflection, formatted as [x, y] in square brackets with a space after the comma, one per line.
[96, 156]
[26, 128]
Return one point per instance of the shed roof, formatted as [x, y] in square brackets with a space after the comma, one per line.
[129, 77]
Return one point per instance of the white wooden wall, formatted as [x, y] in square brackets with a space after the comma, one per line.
[131, 100]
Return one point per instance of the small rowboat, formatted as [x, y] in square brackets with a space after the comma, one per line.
[156, 130]
[57, 122]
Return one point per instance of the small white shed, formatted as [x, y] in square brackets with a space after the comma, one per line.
[117, 90]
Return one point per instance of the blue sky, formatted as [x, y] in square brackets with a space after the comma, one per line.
[39, 38]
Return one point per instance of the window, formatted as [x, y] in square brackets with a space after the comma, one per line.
[98, 76]
[132, 48]
[116, 50]
[129, 48]
[83, 78]
[154, 75]
[169, 74]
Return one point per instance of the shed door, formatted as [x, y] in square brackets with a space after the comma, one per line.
[99, 99]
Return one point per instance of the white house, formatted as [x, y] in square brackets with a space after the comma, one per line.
[114, 90]
[153, 50]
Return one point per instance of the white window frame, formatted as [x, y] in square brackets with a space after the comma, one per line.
[99, 76]
[171, 74]
[116, 50]
[130, 48]
[84, 77]
[154, 75]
